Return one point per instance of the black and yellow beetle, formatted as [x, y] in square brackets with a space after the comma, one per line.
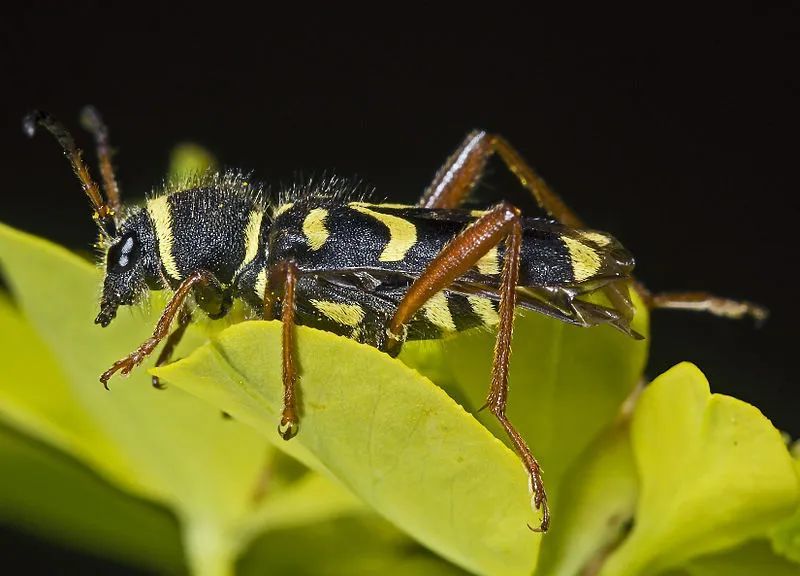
[378, 273]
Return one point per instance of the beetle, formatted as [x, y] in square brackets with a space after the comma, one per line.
[379, 273]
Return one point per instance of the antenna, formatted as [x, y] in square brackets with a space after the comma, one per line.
[104, 214]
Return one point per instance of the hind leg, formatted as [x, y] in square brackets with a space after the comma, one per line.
[501, 223]
[464, 169]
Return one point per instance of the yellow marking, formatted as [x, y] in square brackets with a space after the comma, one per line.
[489, 264]
[438, 312]
[585, 259]
[282, 208]
[261, 283]
[251, 237]
[597, 237]
[346, 314]
[314, 228]
[484, 309]
[402, 233]
[477, 213]
[161, 215]
[385, 205]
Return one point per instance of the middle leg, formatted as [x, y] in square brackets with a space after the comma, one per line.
[283, 277]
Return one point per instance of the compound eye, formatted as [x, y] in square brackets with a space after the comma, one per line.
[123, 254]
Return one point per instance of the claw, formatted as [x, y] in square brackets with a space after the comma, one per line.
[288, 428]
[123, 366]
[539, 500]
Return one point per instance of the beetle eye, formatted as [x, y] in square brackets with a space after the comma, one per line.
[123, 254]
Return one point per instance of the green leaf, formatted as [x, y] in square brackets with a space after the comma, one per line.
[786, 536]
[566, 383]
[189, 159]
[53, 496]
[390, 435]
[41, 404]
[166, 446]
[350, 546]
[474, 507]
[714, 473]
[598, 499]
[753, 558]
[46, 493]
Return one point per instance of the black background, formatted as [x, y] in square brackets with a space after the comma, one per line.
[673, 130]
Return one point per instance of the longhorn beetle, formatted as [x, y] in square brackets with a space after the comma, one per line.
[381, 274]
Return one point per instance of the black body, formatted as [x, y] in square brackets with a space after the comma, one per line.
[356, 260]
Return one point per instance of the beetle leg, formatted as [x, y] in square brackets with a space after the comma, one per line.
[283, 276]
[184, 319]
[705, 302]
[199, 278]
[499, 223]
[464, 169]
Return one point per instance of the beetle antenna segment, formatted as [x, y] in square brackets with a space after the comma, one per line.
[103, 213]
[93, 123]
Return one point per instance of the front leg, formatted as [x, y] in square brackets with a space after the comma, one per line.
[200, 278]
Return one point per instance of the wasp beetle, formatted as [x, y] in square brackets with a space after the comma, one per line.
[379, 273]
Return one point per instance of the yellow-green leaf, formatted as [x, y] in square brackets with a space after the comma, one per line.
[714, 473]
[566, 383]
[189, 159]
[44, 492]
[598, 499]
[167, 446]
[51, 495]
[348, 546]
[786, 536]
[753, 558]
[35, 397]
[390, 435]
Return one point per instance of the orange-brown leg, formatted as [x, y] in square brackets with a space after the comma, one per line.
[184, 319]
[462, 171]
[283, 276]
[704, 302]
[501, 222]
[91, 121]
[125, 365]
